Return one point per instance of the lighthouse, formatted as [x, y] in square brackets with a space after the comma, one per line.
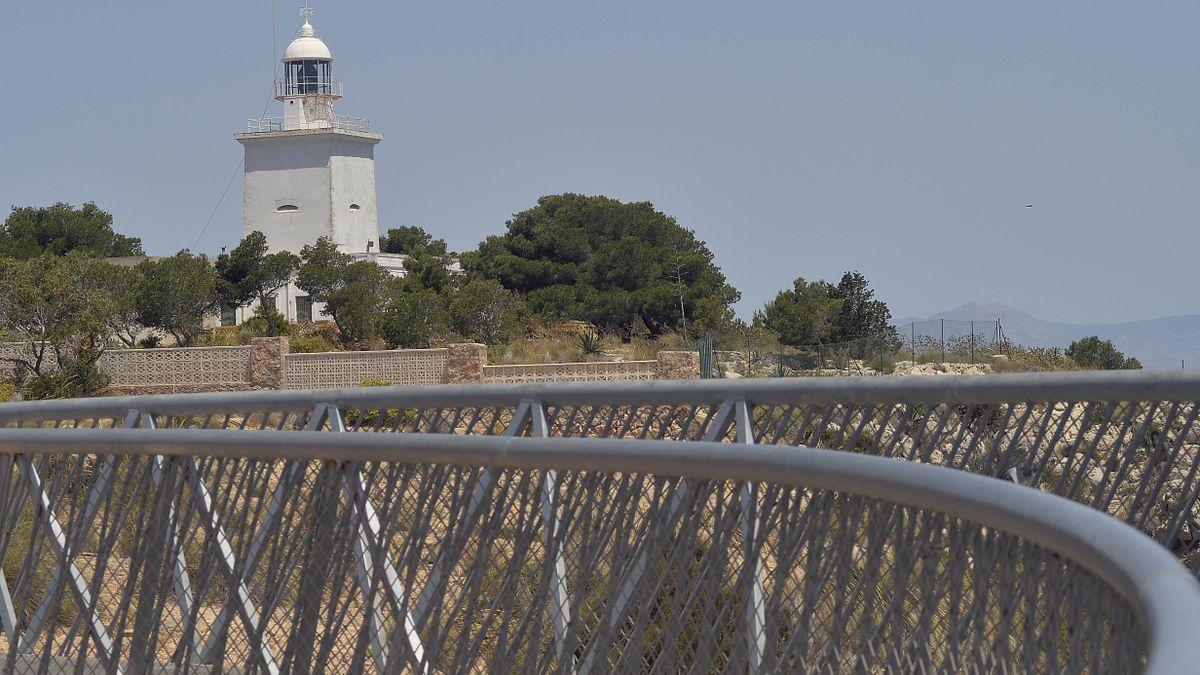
[310, 173]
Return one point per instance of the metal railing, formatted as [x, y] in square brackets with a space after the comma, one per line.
[309, 86]
[269, 124]
[415, 553]
[1127, 443]
[473, 529]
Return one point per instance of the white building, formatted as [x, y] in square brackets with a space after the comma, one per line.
[311, 172]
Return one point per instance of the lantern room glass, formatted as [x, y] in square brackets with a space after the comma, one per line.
[309, 76]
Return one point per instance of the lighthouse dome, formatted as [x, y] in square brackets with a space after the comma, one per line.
[307, 47]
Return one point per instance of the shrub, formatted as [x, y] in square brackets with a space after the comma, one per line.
[311, 343]
[258, 325]
[1092, 353]
[590, 343]
[80, 377]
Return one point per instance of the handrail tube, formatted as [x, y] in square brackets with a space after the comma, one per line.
[951, 390]
[1162, 593]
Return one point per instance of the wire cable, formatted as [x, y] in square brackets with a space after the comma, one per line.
[266, 107]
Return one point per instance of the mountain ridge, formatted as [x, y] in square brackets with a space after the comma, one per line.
[1160, 344]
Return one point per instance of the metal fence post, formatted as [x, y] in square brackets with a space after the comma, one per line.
[913, 326]
[559, 597]
[8, 613]
[943, 342]
[65, 551]
[755, 610]
[370, 547]
[179, 574]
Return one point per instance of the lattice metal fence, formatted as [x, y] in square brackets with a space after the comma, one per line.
[438, 552]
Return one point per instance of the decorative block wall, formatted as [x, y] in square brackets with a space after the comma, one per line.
[348, 369]
[266, 364]
[177, 366]
[598, 371]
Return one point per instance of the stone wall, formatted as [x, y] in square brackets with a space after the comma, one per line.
[466, 363]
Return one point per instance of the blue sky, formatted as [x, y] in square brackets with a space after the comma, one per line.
[796, 138]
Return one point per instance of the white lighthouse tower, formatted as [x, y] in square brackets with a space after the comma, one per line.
[311, 172]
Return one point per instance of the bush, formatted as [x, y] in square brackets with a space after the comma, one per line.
[590, 343]
[80, 378]
[311, 343]
[257, 325]
[1036, 359]
[1092, 353]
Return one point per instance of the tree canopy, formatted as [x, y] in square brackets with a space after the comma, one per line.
[30, 231]
[803, 315]
[63, 309]
[1092, 353]
[860, 315]
[484, 311]
[819, 312]
[429, 260]
[175, 294]
[353, 292]
[251, 272]
[611, 263]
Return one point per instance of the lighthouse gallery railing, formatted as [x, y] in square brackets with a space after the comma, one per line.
[571, 528]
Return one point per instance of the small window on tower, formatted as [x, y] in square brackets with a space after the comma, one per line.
[355, 207]
[287, 208]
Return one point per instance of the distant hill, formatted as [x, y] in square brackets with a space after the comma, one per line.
[1159, 344]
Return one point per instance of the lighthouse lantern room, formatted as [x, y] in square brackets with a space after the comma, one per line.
[308, 89]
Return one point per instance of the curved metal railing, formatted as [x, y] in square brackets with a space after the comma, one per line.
[156, 530]
[213, 548]
[1123, 442]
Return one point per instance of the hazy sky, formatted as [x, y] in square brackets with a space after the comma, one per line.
[902, 139]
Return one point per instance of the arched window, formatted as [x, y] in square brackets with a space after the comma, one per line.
[355, 207]
[287, 208]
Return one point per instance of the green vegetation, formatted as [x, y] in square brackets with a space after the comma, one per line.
[817, 312]
[484, 311]
[622, 267]
[31, 231]
[1092, 353]
[250, 272]
[174, 295]
[572, 278]
[63, 309]
[415, 319]
[590, 343]
[353, 291]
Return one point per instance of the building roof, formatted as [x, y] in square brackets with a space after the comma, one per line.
[308, 46]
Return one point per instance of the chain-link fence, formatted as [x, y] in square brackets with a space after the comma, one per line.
[754, 353]
[950, 341]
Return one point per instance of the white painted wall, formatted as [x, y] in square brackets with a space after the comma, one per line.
[322, 173]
